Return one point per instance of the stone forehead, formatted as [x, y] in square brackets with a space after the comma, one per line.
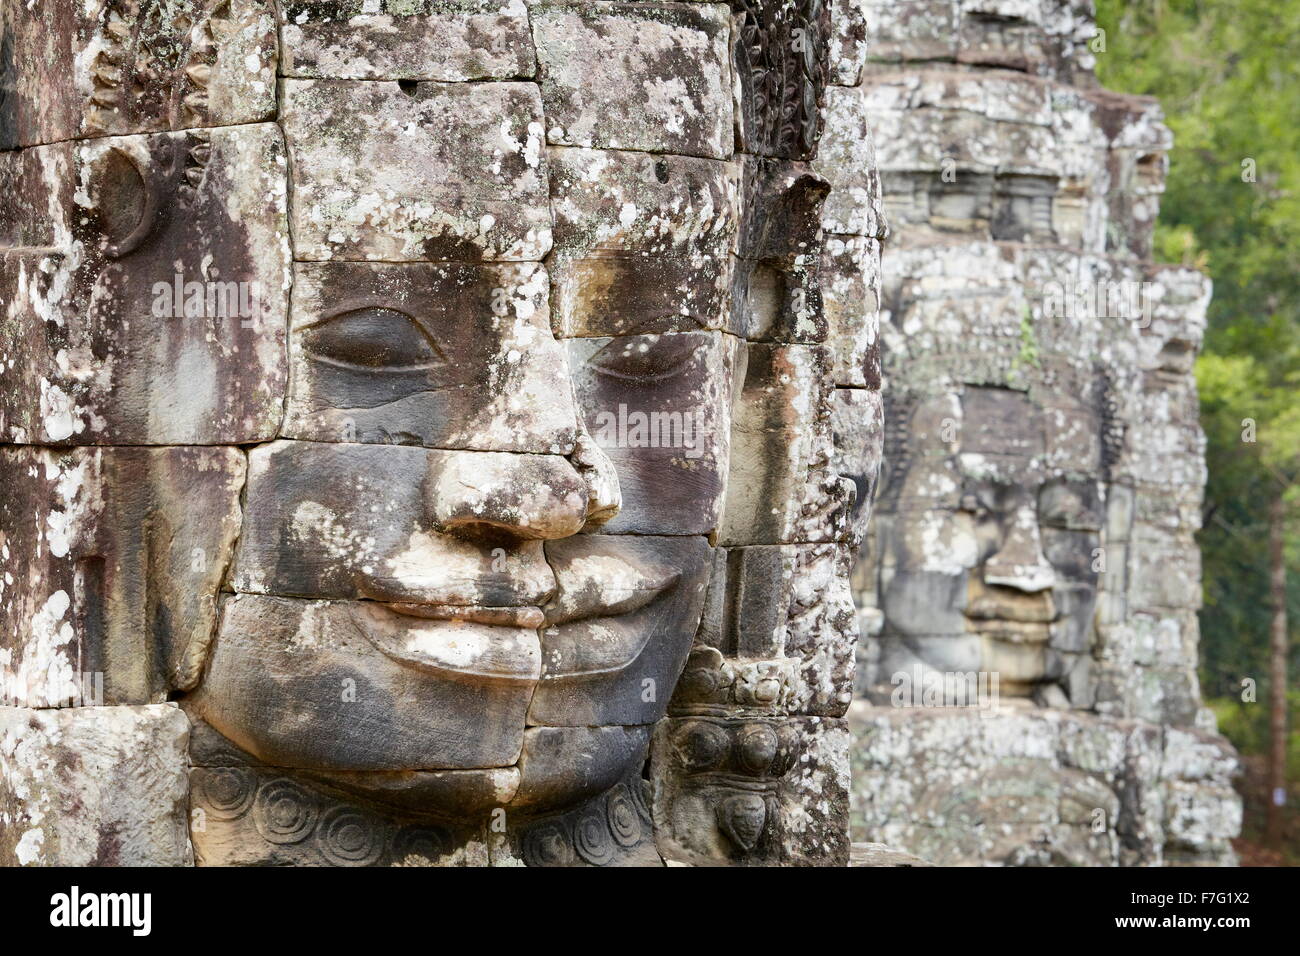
[1001, 422]
[1046, 320]
[121, 68]
[1006, 125]
[1000, 433]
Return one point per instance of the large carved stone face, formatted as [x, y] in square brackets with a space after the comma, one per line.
[991, 555]
[404, 608]
[477, 556]
[400, 383]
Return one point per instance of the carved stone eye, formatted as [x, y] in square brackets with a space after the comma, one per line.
[645, 359]
[373, 338]
[1070, 505]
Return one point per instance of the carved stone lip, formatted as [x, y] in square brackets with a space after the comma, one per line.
[1012, 632]
[459, 649]
[427, 794]
[597, 626]
[522, 616]
[589, 636]
[995, 609]
[593, 647]
[625, 597]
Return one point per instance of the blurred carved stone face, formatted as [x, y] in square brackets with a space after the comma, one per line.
[992, 557]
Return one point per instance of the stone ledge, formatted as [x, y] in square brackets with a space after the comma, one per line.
[878, 854]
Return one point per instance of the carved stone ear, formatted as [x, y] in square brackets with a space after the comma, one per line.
[802, 201]
[124, 200]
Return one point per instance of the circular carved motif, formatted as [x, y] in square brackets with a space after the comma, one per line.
[698, 683]
[431, 843]
[757, 747]
[702, 746]
[348, 839]
[547, 845]
[624, 821]
[226, 792]
[637, 792]
[592, 840]
[284, 812]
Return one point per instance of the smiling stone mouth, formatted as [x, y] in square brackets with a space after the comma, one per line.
[995, 608]
[1011, 632]
[524, 616]
[567, 609]
[593, 632]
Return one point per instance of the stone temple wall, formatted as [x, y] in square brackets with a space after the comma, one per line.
[331, 532]
[776, 645]
[1029, 586]
[234, 474]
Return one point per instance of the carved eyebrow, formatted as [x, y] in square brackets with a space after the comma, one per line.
[359, 303]
[645, 326]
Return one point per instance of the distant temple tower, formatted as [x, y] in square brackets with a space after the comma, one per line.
[1029, 584]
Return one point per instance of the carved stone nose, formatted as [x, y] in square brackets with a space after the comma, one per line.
[522, 496]
[604, 496]
[1019, 563]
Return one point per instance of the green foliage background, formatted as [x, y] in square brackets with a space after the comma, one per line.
[1228, 75]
